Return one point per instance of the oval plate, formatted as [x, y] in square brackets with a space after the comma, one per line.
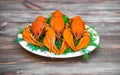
[93, 44]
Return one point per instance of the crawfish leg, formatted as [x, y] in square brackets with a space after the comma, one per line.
[37, 42]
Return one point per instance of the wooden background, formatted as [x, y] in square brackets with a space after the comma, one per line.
[104, 15]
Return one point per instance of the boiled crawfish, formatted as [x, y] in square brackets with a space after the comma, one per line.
[27, 36]
[77, 26]
[32, 32]
[57, 23]
[37, 27]
[78, 29]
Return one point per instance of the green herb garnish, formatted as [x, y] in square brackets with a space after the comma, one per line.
[17, 40]
[48, 19]
[33, 47]
[68, 50]
[86, 55]
[58, 43]
[77, 42]
[44, 48]
[65, 18]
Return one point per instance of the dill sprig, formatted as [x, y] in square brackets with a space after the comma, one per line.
[17, 40]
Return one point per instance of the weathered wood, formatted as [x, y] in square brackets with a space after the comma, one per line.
[89, 12]
[104, 15]
[66, 1]
[75, 68]
[21, 55]
[93, 16]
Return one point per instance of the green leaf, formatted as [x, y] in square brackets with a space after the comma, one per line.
[33, 47]
[77, 42]
[65, 18]
[58, 43]
[92, 43]
[93, 34]
[44, 48]
[20, 30]
[68, 50]
[95, 45]
[91, 27]
[17, 40]
[85, 57]
[48, 19]
[20, 39]
[92, 39]
[41, 38]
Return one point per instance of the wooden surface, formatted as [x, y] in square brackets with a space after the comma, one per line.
[104, 15]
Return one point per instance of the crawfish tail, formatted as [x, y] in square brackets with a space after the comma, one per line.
[49, 41]
[85, 40]
[67, 35]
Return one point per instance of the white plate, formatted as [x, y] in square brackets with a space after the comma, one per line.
[88, 49]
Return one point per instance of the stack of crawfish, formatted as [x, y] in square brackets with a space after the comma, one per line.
[57, 29]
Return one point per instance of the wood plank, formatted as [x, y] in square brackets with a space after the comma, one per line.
[21, 55]
[107, 13]
[98, 12]
[80, 6]
[11, 5]
[26, 16]
[65, 1]
[22, 5]
[110, 68]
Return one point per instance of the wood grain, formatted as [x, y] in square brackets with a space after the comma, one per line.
[104, 15]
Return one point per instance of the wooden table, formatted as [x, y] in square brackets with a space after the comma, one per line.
[104, 15]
